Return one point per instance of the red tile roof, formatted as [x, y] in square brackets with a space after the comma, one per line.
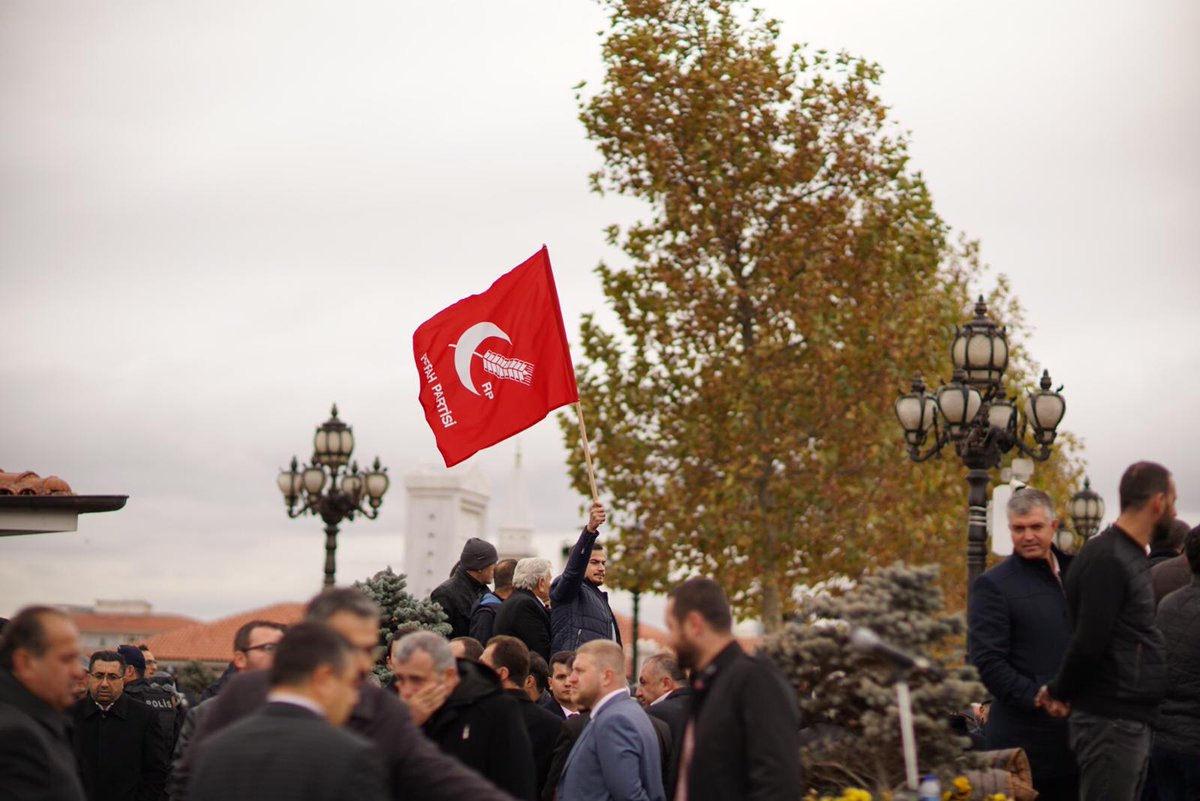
[30, 483]
[143, 625]
[213, 642]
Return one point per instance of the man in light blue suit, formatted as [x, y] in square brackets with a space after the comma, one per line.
[616, 758]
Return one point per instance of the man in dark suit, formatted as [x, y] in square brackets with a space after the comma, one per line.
[292, 748]
[524, 614]
[742, 737]
[663, 691]
[121, 751]
[617, 757]
[1018, 631]
[465, 711]
[509, 657]
[560, 699]
[39, 668]
[416, 767]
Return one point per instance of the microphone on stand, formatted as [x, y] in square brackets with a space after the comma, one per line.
[867, 641]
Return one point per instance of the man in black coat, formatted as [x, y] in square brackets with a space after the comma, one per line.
[560, 699]
[468, 582]
[524, 614]
[742, 738]
[121, 752]
[663, 691]
[164, 702]
[1017, 634]
[465, 710]
[1114, 673]
[416, 768]
[1175, 756]
[509, 658]
[39, 668]
[291, 748]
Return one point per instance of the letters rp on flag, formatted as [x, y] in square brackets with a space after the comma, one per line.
[495, 363]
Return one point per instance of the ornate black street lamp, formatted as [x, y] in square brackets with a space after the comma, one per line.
[1087, 510]
[329, 488]
[973, 413]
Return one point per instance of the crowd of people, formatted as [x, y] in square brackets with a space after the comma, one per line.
[528, 698]
[1093, 661]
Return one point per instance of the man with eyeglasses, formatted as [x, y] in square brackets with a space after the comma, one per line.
[254, 646]
[579, 610]
[120, 751]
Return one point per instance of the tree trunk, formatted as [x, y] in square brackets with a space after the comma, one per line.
[772, 604]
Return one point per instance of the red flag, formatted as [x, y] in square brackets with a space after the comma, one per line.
[494, 364]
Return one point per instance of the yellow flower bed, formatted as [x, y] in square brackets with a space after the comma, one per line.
[960, 790]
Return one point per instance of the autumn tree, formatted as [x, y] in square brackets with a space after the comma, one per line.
[788, 277]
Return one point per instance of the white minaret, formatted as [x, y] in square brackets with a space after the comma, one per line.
[516, 534]
[445, 509]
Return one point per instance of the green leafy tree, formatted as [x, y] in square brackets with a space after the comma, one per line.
[193, 676]
[847, 698]
[788, 278]
[402, 612]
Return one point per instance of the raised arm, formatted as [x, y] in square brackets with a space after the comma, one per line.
[568, 584]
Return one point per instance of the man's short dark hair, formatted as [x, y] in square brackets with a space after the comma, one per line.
[503, 577]
[106, 656]
[472, 648]
[667, 665]
[1169, 536]
[241, 638]
[540, 671]
[509, 652]
[1191, 548]
[26, 630]
[329, 602]
[1141, 482]
[304, 648]
[562, 658]
[705, 596]
[143, 647]
[598, 546]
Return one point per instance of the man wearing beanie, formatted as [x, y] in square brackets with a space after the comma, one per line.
[468, 581]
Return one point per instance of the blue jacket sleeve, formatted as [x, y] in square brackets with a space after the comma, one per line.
[571, 580]
[989, 648]
[620, 750]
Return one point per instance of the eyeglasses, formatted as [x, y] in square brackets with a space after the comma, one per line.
[109, 677]
[266, 648]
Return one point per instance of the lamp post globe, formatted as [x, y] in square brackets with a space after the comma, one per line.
[331, 487]
[1087, 510]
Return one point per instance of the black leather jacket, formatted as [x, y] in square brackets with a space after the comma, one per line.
[1115, 666]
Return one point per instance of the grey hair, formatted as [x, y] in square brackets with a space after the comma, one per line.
[429, 642]
[341, 599]
[1027, 499]
[529, 572]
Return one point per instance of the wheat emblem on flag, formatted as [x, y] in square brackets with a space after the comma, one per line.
[506, 368]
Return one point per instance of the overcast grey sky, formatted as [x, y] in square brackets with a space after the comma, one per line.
[216, 218]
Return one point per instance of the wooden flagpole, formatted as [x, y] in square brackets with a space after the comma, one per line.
[587, 452]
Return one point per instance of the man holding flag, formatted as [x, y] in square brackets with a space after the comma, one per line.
[492, 365]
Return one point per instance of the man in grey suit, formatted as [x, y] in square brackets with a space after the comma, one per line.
[292, 748]
[616, 758]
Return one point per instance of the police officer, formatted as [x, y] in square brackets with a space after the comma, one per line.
[164, 702]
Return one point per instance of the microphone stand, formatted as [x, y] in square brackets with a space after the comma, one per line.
[908, 737]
